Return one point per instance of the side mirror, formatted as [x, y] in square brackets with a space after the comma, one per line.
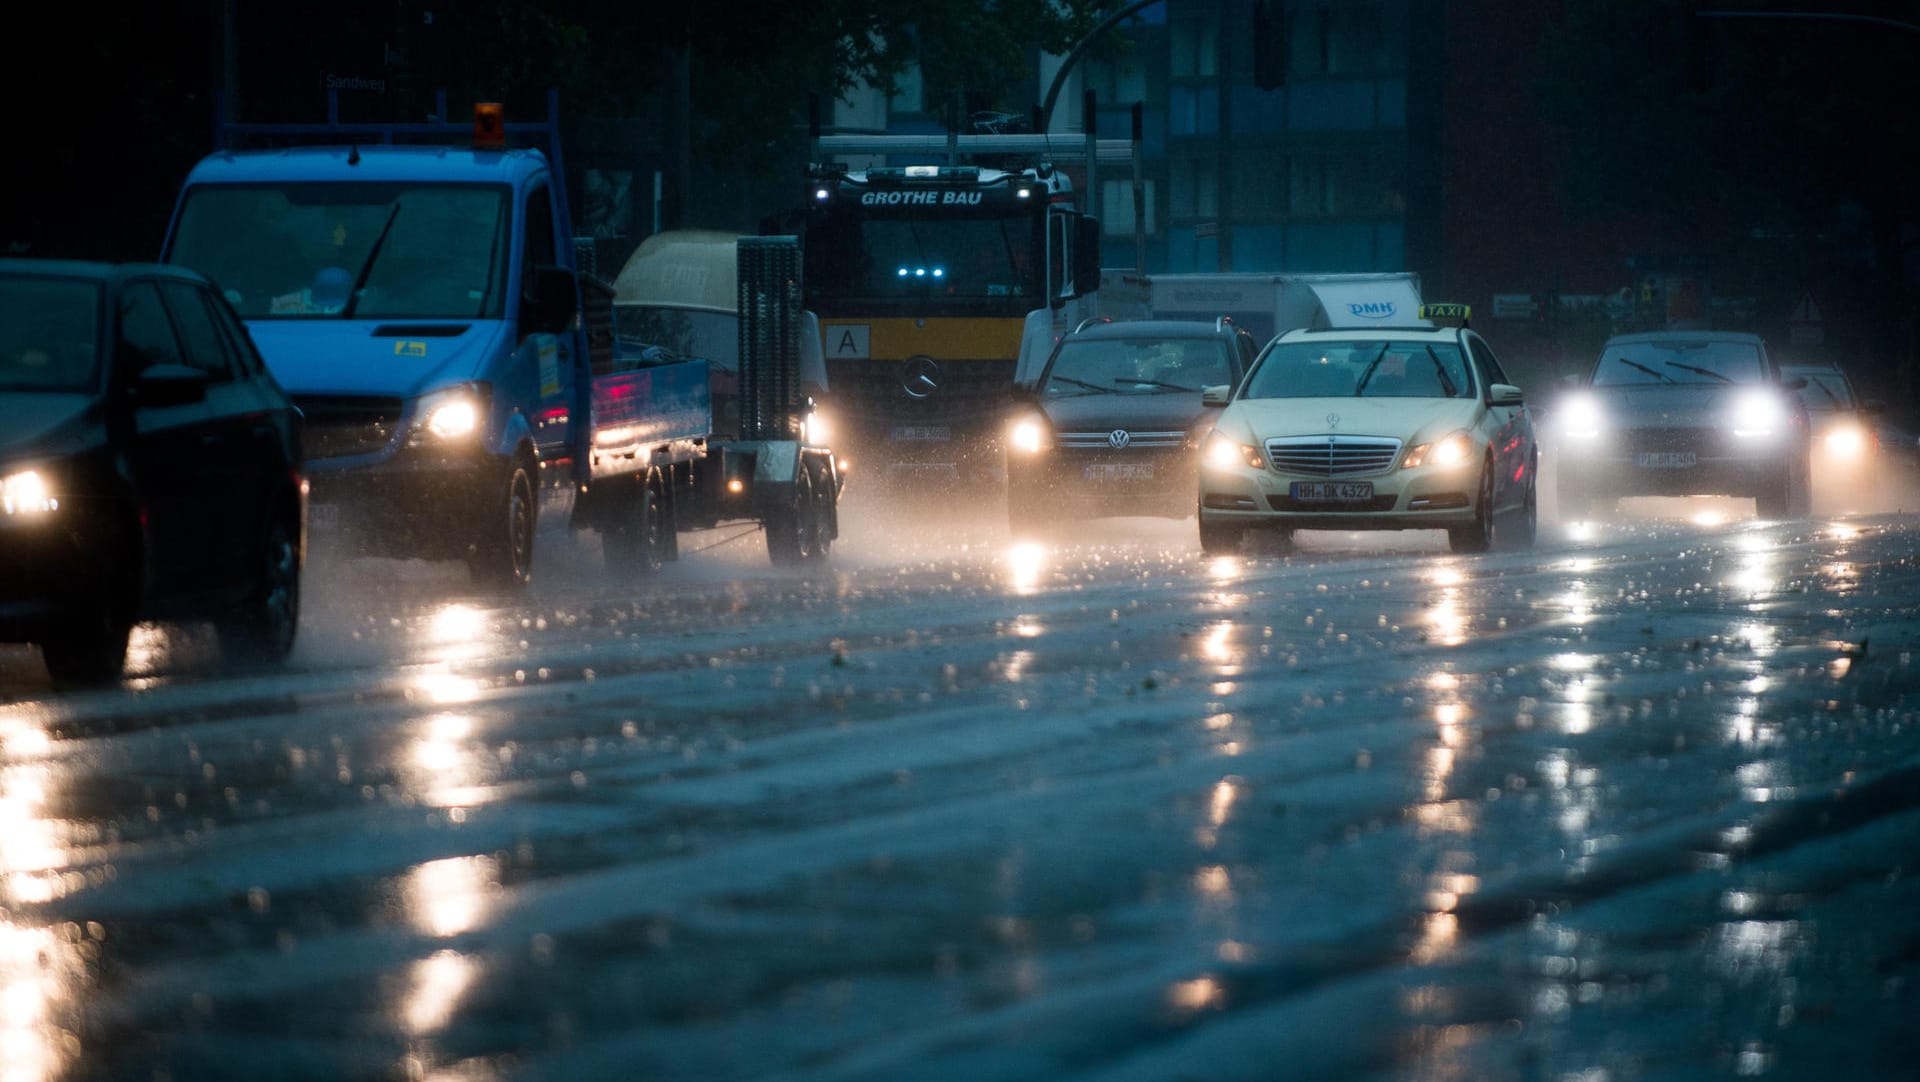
[1797, 383]
[171, 385]
[1570, 381]
[1023, 393]
[1505, 394]
[549, 300]
[1086, 255]
[1872, 407]
[1216, 396]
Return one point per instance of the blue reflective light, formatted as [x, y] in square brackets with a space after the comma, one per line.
[919, 272]
[939, 272]
[902, 272]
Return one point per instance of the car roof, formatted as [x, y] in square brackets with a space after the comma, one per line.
[1156, 328]
[1684, 336]
[95, 270]
[1423, 333]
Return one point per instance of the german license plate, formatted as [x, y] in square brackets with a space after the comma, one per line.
[1665, 460]
[323, 517]
[1332, 491]
[922, 433]
[1119, 471]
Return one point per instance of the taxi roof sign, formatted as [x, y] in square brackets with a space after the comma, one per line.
[1460, 312]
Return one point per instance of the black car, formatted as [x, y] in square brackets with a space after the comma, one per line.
[1684, 413]
[1114, 422]
[150, 467]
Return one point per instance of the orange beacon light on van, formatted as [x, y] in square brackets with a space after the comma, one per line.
[489, 126]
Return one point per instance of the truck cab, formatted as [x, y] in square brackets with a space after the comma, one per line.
[421, 306]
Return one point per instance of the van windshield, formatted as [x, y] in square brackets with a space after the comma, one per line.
[350, 251]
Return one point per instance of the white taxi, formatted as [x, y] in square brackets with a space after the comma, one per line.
[1413, 428]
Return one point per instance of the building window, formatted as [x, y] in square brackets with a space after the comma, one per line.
[1194, 191]
[1123, 83]
[1259, 185]
[1194, 48]
[1344, 186]
[1116, 207]
[1350, 39]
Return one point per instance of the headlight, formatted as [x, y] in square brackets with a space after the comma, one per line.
[1030, 435]
[1584, 419]
[1454, 449]
[1224, 452]
[1758, 413]
[449, 415]
[1846, 441]
[27, 493]
[816, 429]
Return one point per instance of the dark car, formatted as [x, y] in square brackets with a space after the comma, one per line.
[1684, 413]
[150, 467]
[1113, 424]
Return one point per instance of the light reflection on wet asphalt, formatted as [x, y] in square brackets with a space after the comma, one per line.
[1643, 802]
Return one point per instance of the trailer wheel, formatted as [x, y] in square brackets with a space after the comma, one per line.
[632, 544]
[790, 529]
[502, 556]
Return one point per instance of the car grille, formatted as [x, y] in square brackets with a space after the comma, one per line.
[970, 395]
[1104, 440]
[1288, 503]
[1332, 456]
[337, 427]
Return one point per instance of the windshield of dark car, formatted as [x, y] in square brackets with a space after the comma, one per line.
[1138, 366]
[1679, 361]
[1825, 389]
[1366, 368]
[360, 250]
[49, 333]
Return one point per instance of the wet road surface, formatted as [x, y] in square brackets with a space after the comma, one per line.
[1641, 803]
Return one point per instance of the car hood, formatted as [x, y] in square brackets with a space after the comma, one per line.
[1142, 412]
[36, 425]
[368, 357]
[1667, 405]
[1414, 420]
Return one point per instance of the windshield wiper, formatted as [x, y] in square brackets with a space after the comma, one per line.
[1654, 372]
[1367, 374]
[1446, 381]
[1702, 371]
[1076, 383]
[373, 253]
[1152, 383]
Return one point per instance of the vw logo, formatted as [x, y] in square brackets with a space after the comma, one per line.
[1119, 438]
[919, 377]
[1333, 420]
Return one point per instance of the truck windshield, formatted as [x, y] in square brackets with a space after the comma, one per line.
[1366, 368]
[49, 334]
[959, 258]
[359, 250]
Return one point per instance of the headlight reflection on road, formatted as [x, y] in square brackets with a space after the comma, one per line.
[445, 768]
[438, 984]
[39, 971]
[448, 897]
[1026, 566]
[41, 968]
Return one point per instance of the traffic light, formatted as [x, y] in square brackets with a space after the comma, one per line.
[1269, 44]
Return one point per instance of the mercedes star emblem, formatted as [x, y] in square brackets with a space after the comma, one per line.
[919, 377]
[1119, 438]
[1333, 420]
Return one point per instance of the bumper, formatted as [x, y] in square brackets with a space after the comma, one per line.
[428, 506]
[1612, 474]
[45, 569]
[1416, 499]
[1105, 485]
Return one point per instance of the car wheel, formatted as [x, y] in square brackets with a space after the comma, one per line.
[1221, 538]
[632, 544]
[503, 554]
[1791, 496]
[790, 529]
[822, 516]
[1526, 521]
[88, 647]
[1476, 537]
[263, 629]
